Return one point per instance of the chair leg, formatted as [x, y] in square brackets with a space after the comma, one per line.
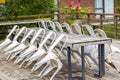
[45, 70]
[8, 57]
[11, 46]
[6, 42]
[35, 67]
[15, 54]
[28, 64]
[58, 69]
[22, 64]
[18, 59]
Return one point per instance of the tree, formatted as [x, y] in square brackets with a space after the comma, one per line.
[13, 8]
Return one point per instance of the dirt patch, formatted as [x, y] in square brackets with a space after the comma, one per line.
[8, 71]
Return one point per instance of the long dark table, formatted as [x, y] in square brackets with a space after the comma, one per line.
[77, 42]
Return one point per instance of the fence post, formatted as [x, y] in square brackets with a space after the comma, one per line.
[88, 20]
[101, 21]
[58, 17]
[115, 27]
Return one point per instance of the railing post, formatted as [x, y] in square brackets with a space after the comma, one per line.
[115, 27]
[58, 17]
[101, 21]
[88, 20]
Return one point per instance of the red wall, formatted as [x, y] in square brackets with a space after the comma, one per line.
[84, 3]
[87, 3]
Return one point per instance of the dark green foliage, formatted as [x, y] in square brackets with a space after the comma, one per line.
[15, 8]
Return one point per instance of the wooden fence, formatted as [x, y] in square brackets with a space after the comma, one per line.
[91, 20]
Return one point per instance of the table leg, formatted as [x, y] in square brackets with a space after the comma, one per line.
[69, 63]
[83, 62]
[101, 59]
[70, 66]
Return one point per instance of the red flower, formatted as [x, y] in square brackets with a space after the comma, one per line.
[78, 6]
[71, 4]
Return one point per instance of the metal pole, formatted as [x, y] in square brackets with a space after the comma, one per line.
[115, 27]
[83, 62]
[102, 59]
[69, 63]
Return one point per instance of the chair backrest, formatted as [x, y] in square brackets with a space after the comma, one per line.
[23, 29]
[59, 27]
[35, 36]
[31, 32]
[50, 33]
[100, 33]
[68, 28]
[13, 29]
[77, 28]
[59, 38]
[43, 24]
[90, 30]
[52, 25]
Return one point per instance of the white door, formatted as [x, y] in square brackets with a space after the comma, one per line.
[109, 7]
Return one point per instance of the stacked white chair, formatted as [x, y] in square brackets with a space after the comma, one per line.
[49, 49]
[92, 52]
[50, 58]
[8, 40]
[21, 45]
[29, 53]
[15, 40]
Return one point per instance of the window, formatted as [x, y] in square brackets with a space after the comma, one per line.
[99, 7]
[104, 6]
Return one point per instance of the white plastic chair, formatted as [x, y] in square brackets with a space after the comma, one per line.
[91, 50]
[51, 59]
[15, 42]
[40, 51]
[68, 28]
[75, 56]
[108, 48]
[24, 55]
[55, 26]
[21, 45]
[47, 24]
[8, 40]
[52, 25]
[100, 32]
[90, 30]
[32, 46]
[43, 24]
[77, 28]
[58, 25]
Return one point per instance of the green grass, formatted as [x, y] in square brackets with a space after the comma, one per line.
[109, 29]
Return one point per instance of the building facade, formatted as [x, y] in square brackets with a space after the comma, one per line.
[97, 6]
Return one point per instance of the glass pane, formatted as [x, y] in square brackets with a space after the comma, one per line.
[109, 7]
[98, 7]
